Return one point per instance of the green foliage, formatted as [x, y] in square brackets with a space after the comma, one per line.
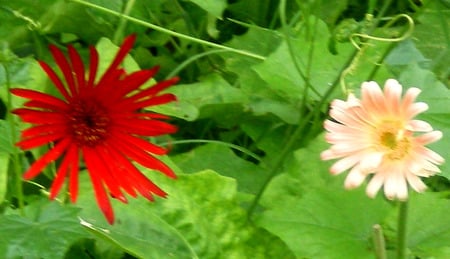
[46, 231]
[258, 188]
[311, 212]
[205, 223]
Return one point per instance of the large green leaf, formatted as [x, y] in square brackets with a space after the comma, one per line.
[6, 142]
[315, 61]
[437, 96]
[200, 218]
[222, 160]
[141, 233]
[326, 223]
[433, 23]
[310, 211]
[428, 227]
[195, 99]
[47, 231]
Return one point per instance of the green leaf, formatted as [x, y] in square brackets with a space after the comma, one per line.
[313, 214]
[145, 236]
[47, 231]
[326, 223]
[107, 52]
[6, 142]
[428, 227]
[322, 68]
[195, 99]
[214, 7]
[222, 160]
[200, 218]
[437, 96]
[4, 162]
[433, 23]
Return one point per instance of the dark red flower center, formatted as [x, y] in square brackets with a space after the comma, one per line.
[89, 122]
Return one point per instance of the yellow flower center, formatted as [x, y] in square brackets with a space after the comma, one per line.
[392, 140]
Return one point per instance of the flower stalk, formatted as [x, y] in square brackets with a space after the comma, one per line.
[15, 156]
[402, 229]
[378, 241]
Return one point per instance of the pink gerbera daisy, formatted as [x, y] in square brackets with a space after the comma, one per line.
[102, 123]
[376, 135]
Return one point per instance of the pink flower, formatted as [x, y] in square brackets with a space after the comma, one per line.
[375, 135]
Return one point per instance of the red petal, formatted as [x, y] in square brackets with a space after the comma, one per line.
[100, 193]
[38, 96]
[106, 84]
[47, 158]
[141, 182]
[139, 143]
[121, 54]
[119, 171]
[55, 79]
[41, 117]
[152, 91]
[64, 67]
[96, 164]
[72, 155]
[77, 67]
[93, 65]
[134, 80]
[157, 100]
[151, 115]
[123, 51]
[61, 174]
[145, 159]
[43, 129]
[39, 140]
[145, 127]
[42, 106]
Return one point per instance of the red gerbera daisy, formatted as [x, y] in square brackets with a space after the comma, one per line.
[102, 123]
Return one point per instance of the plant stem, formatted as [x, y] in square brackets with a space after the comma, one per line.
[118, 35]
[208, 141]
[401, 229]
[307, 119]
[379, 243]
[173, 33]
[15, 155]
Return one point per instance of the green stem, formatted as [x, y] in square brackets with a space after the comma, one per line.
[306, 120]
[379, 243]
[401, 229]
[15, 155]
[169, 32]
[192, 59]
[118, 35]
[207, 141]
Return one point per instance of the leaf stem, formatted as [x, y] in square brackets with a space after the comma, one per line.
[118, 35]
[15, 155]
[378, 241]
[207, 141]
[402, 229]
[173, 33]
[306, 120]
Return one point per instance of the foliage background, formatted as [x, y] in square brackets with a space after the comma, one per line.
[251, 184]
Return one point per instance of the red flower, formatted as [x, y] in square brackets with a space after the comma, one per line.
[102, 123]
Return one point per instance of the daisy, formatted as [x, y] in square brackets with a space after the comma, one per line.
[100, 124]
[377, 135]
